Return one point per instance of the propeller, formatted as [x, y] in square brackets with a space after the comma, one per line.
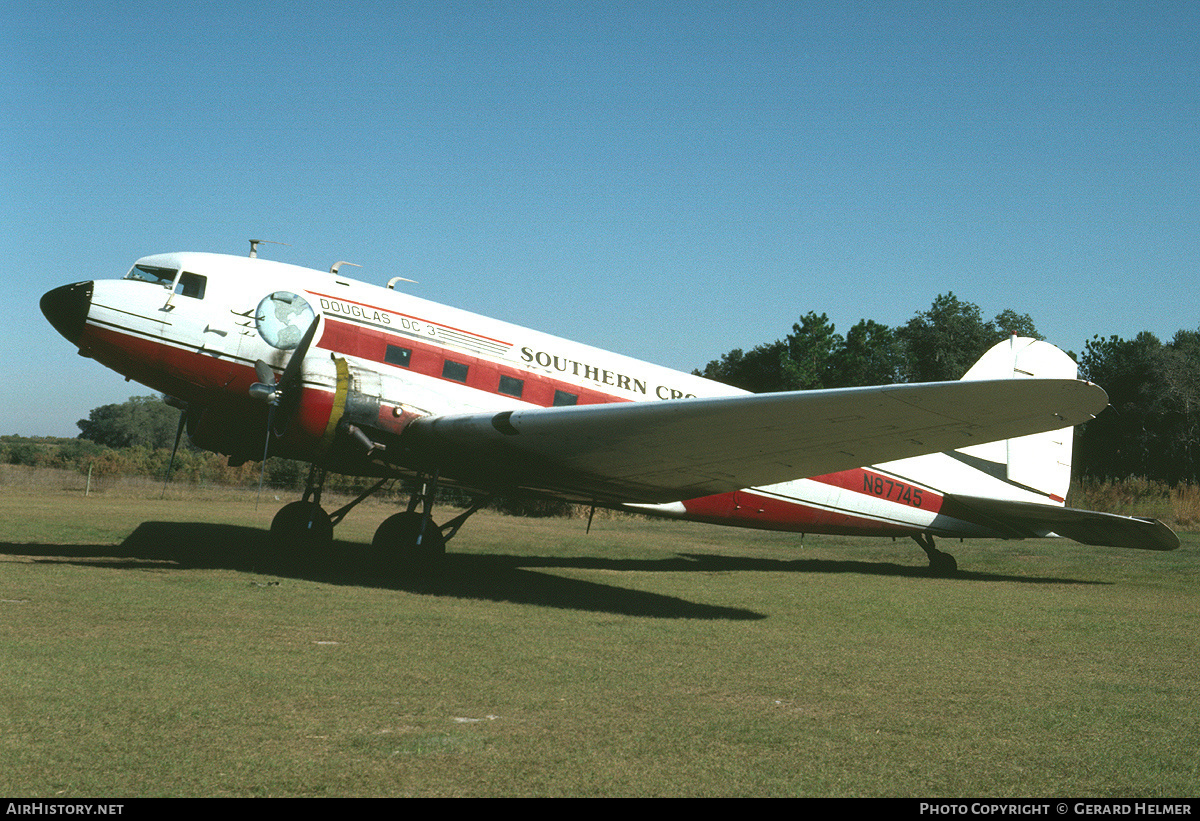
[282, 396]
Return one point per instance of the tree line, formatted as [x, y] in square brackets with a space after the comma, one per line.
[1150, 429]
[1151, 426]
[934, 346]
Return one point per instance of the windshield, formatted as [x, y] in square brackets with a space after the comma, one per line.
[149, 273]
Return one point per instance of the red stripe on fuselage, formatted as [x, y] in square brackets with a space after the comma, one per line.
[365, 342]
[205, 380]
[883, 486]
[748, 509]
[418, 319]
[186, 374]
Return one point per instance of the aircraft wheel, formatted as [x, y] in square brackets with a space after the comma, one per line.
[301, 529]
[395, 548]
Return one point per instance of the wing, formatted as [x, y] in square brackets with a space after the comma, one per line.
[682, 449]
[1025, 519]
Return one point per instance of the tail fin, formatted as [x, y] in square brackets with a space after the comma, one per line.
[1041, 462]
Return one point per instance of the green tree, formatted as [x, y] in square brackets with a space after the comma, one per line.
[802, 360]
[143, 421]
[1180, 394]
[809, 355]
[1009, 322]
[759, 371]
[870, 355]
[1152, 425]
[941, 344]
[1122, 440]
[935, 345]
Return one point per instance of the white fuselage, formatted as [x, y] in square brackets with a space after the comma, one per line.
[197, 333]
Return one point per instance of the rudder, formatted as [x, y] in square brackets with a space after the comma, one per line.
[1040, 462]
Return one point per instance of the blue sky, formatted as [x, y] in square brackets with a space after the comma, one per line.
[668, 180]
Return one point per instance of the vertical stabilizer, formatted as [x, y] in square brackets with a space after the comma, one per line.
[1041, 462]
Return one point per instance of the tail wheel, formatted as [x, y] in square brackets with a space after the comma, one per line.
[940, 564]
[399, 544]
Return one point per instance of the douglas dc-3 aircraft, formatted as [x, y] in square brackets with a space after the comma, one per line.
[364, 380]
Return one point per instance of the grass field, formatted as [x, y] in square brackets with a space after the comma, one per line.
[147, 650]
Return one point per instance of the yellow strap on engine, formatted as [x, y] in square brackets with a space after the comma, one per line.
[339, 402]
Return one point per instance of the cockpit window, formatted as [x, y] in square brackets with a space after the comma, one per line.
[191, 285]
[150, 273]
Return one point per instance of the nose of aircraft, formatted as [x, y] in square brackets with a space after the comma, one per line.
[67, 308]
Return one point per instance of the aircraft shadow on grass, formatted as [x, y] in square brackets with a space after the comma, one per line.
[495, 577]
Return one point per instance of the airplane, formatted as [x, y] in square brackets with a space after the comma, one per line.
[266, 358]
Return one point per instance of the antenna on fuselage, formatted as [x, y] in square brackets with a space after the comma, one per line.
[337, 265]
[392, 282]
[254, 246]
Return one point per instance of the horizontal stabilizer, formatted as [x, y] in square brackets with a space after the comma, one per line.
[1029, 519]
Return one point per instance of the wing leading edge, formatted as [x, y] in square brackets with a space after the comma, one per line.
[686, 448]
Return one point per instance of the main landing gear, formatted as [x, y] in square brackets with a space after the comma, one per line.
[420, 541]
[405, 542]
[940, 564]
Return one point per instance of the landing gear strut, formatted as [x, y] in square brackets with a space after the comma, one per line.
[303, 529]
[407, 541]
[940, 564]
[412, 541]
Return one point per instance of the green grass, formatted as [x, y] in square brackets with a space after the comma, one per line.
[645, 658]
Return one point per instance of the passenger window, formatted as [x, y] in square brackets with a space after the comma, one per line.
[191, 285]
[395, 355]
[454, 370]
[564, 398]
[511, 386]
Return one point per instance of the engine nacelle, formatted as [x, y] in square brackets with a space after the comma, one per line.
[237, 434]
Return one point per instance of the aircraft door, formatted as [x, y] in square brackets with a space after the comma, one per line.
[193, 321]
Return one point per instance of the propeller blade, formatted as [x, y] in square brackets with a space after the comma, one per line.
[264, 372]
[284, 398]
[290, 383]
[262, 471]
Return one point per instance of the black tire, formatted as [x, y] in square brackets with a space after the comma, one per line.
[301, 531]
[394, 547]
